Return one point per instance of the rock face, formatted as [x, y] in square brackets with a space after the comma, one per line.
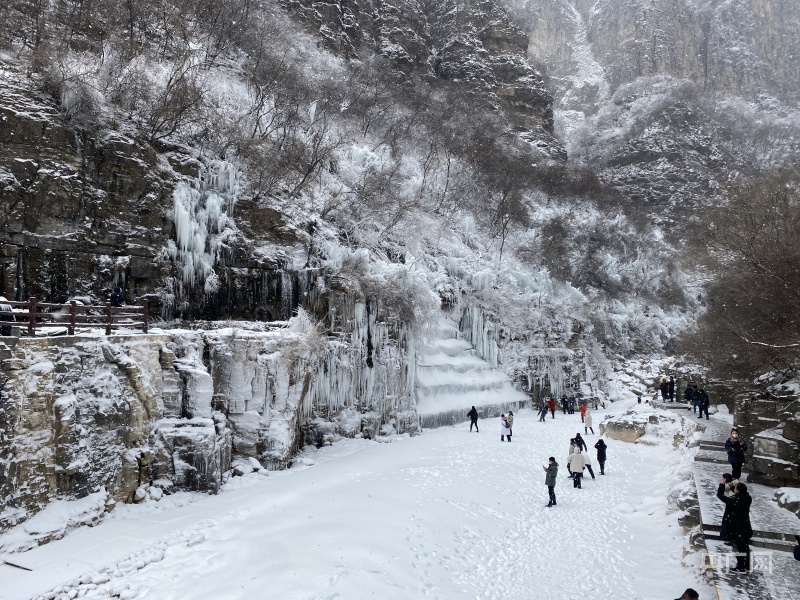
[670, 100]
[472, 43]
[741, 47]
[141, 415]
[84, 212]
[771, 424]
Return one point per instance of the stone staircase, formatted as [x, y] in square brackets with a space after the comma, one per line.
[451, 379]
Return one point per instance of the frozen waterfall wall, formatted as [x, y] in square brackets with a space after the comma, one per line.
[83, 413]
[537, 366]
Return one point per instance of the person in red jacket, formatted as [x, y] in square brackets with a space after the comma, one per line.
[551, 404]
[583, 412]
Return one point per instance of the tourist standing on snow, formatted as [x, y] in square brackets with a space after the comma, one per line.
[797, 547]
[695, 397]
[703, 402]
[572, 447]
[736, 526]
[579, 442]
[587, 462]
[564, 403]
[504, 429]
[550, 480]
[543, 412]
[551, 404]
[583, 412]
[671, 388]
[587, 422]
[736, 448]
[571, 404]
[510, 419]
[576, 464]
[664, 387]
[688, 393]
[601, 455]
[473, 420]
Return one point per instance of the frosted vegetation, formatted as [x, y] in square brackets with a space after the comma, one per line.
[407, 183]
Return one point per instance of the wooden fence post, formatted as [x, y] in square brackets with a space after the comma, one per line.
[144, 310]
[32, 316]
[108, 318]
[71, 329]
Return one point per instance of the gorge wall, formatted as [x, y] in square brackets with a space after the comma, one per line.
[85, 413]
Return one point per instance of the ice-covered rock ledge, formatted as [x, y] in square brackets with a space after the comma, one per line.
[138, 416]
[649, 425]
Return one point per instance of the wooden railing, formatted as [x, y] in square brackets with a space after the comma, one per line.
[44, 314]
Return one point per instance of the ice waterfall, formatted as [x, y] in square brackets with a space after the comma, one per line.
[203, 218]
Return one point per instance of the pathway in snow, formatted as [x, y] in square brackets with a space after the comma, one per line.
[451, 379]
[448, 514]
[765, 515]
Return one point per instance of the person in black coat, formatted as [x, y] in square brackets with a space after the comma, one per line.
[736, 526]
[600, 446]
[688, 395]
[671, 389]
[736, 448]
[703, 402]
[797, 547]
[473, 420]
[580, 443]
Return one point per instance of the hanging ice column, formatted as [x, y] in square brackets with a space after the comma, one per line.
[203, 217]
[451, 378]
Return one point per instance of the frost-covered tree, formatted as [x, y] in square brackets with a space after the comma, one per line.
[752, 322]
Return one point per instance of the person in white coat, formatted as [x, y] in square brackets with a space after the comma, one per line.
[510, 419]
[505, 430]
[576, 464]
[587, 422]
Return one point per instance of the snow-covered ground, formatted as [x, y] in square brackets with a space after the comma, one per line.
[448, 514]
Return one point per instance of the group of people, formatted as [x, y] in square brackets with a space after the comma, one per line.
[735, 528]
[578, 460]
[698, 398]
[568, 405]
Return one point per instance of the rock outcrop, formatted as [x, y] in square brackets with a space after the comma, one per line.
[141, 415]
[472, 43]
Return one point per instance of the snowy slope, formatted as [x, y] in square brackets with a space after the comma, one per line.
[448, 514]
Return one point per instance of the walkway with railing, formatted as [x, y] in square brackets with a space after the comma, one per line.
[33, 315]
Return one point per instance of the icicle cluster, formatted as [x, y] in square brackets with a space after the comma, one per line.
[203, 217]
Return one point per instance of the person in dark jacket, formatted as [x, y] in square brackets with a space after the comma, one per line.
[543, 412]
[550, 480]
[600, 446]
[688, 395]
[580, 443]
[736, 526]
[473, 419]
[664, 388]
[117, 297]
[671, 388]
[797, 547]
[689, 594]
[703, 402]
[736, 448]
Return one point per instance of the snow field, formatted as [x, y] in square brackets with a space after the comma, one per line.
[448, 514]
